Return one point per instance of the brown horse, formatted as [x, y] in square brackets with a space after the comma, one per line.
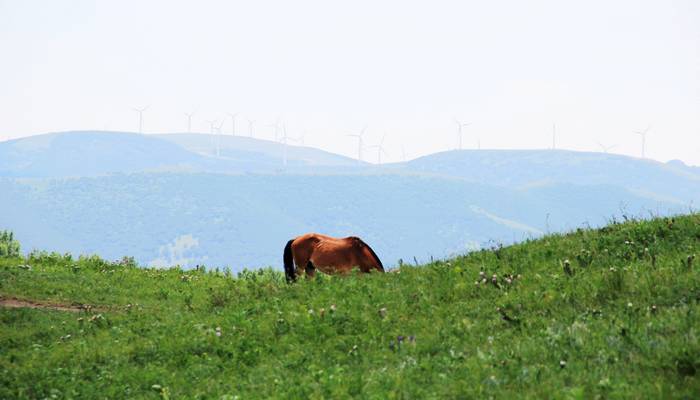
[329, 255]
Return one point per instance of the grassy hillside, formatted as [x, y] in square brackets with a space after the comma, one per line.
[610, 313]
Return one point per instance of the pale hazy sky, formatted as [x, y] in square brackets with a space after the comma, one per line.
[599, 69]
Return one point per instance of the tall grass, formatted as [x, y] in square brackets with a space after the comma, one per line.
[609, 313]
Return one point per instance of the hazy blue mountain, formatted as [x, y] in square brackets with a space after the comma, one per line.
[251, 149]
[91, 153]
[244, 220]
[518, 168]
[167, 199]
[678, 164]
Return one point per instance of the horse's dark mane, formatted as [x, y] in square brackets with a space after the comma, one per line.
[288, 258]
[373, 253]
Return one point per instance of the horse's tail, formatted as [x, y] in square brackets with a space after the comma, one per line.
[289, 263]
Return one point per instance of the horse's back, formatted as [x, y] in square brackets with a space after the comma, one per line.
[316, 238]
[340, 253]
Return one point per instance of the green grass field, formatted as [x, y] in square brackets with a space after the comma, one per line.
[609, 313]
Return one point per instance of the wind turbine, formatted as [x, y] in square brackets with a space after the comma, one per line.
[460, 125]
[251, 122]
[212, 126]
[284, 143]
[380, 149]
[218, 136]
[554, 136]
[233, 123]
[189, 121]
[275, 127]
[605, 148]
[212, 129]
[300, 139]
[643, 134]
[359, 143]
[140, 111]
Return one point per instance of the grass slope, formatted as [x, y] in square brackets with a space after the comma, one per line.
[610, 313]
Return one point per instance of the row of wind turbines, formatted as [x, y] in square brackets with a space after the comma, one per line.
[216, 127]
[605, 149]
[280, 135]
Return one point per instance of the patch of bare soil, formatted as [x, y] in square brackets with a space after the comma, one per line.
[17, 303]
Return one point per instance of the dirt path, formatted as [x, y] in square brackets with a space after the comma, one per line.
[17, 303]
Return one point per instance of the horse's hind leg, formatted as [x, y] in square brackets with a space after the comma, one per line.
[310, 269]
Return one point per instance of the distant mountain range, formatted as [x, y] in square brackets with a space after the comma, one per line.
[169, 199]
[75, 154]
[673, 182]
[247, 149]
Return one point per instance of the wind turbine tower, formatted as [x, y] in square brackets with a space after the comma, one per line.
[140, 111]
[218, 137]
[189, 121]
[284, 143]
[554, 136]
[212, 126]
[359, 143]
[275, 127]
[643, 134]
[233, 123]
[212, 129]
[380, 149]
[460, 125]
[251, 122]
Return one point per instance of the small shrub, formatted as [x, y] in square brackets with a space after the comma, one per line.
[44, 257]
[9, 247]
[219, 298]
[93, 262]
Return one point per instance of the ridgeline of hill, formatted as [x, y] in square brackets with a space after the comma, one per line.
[168, 199]
[608, 313]
[96, 153]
